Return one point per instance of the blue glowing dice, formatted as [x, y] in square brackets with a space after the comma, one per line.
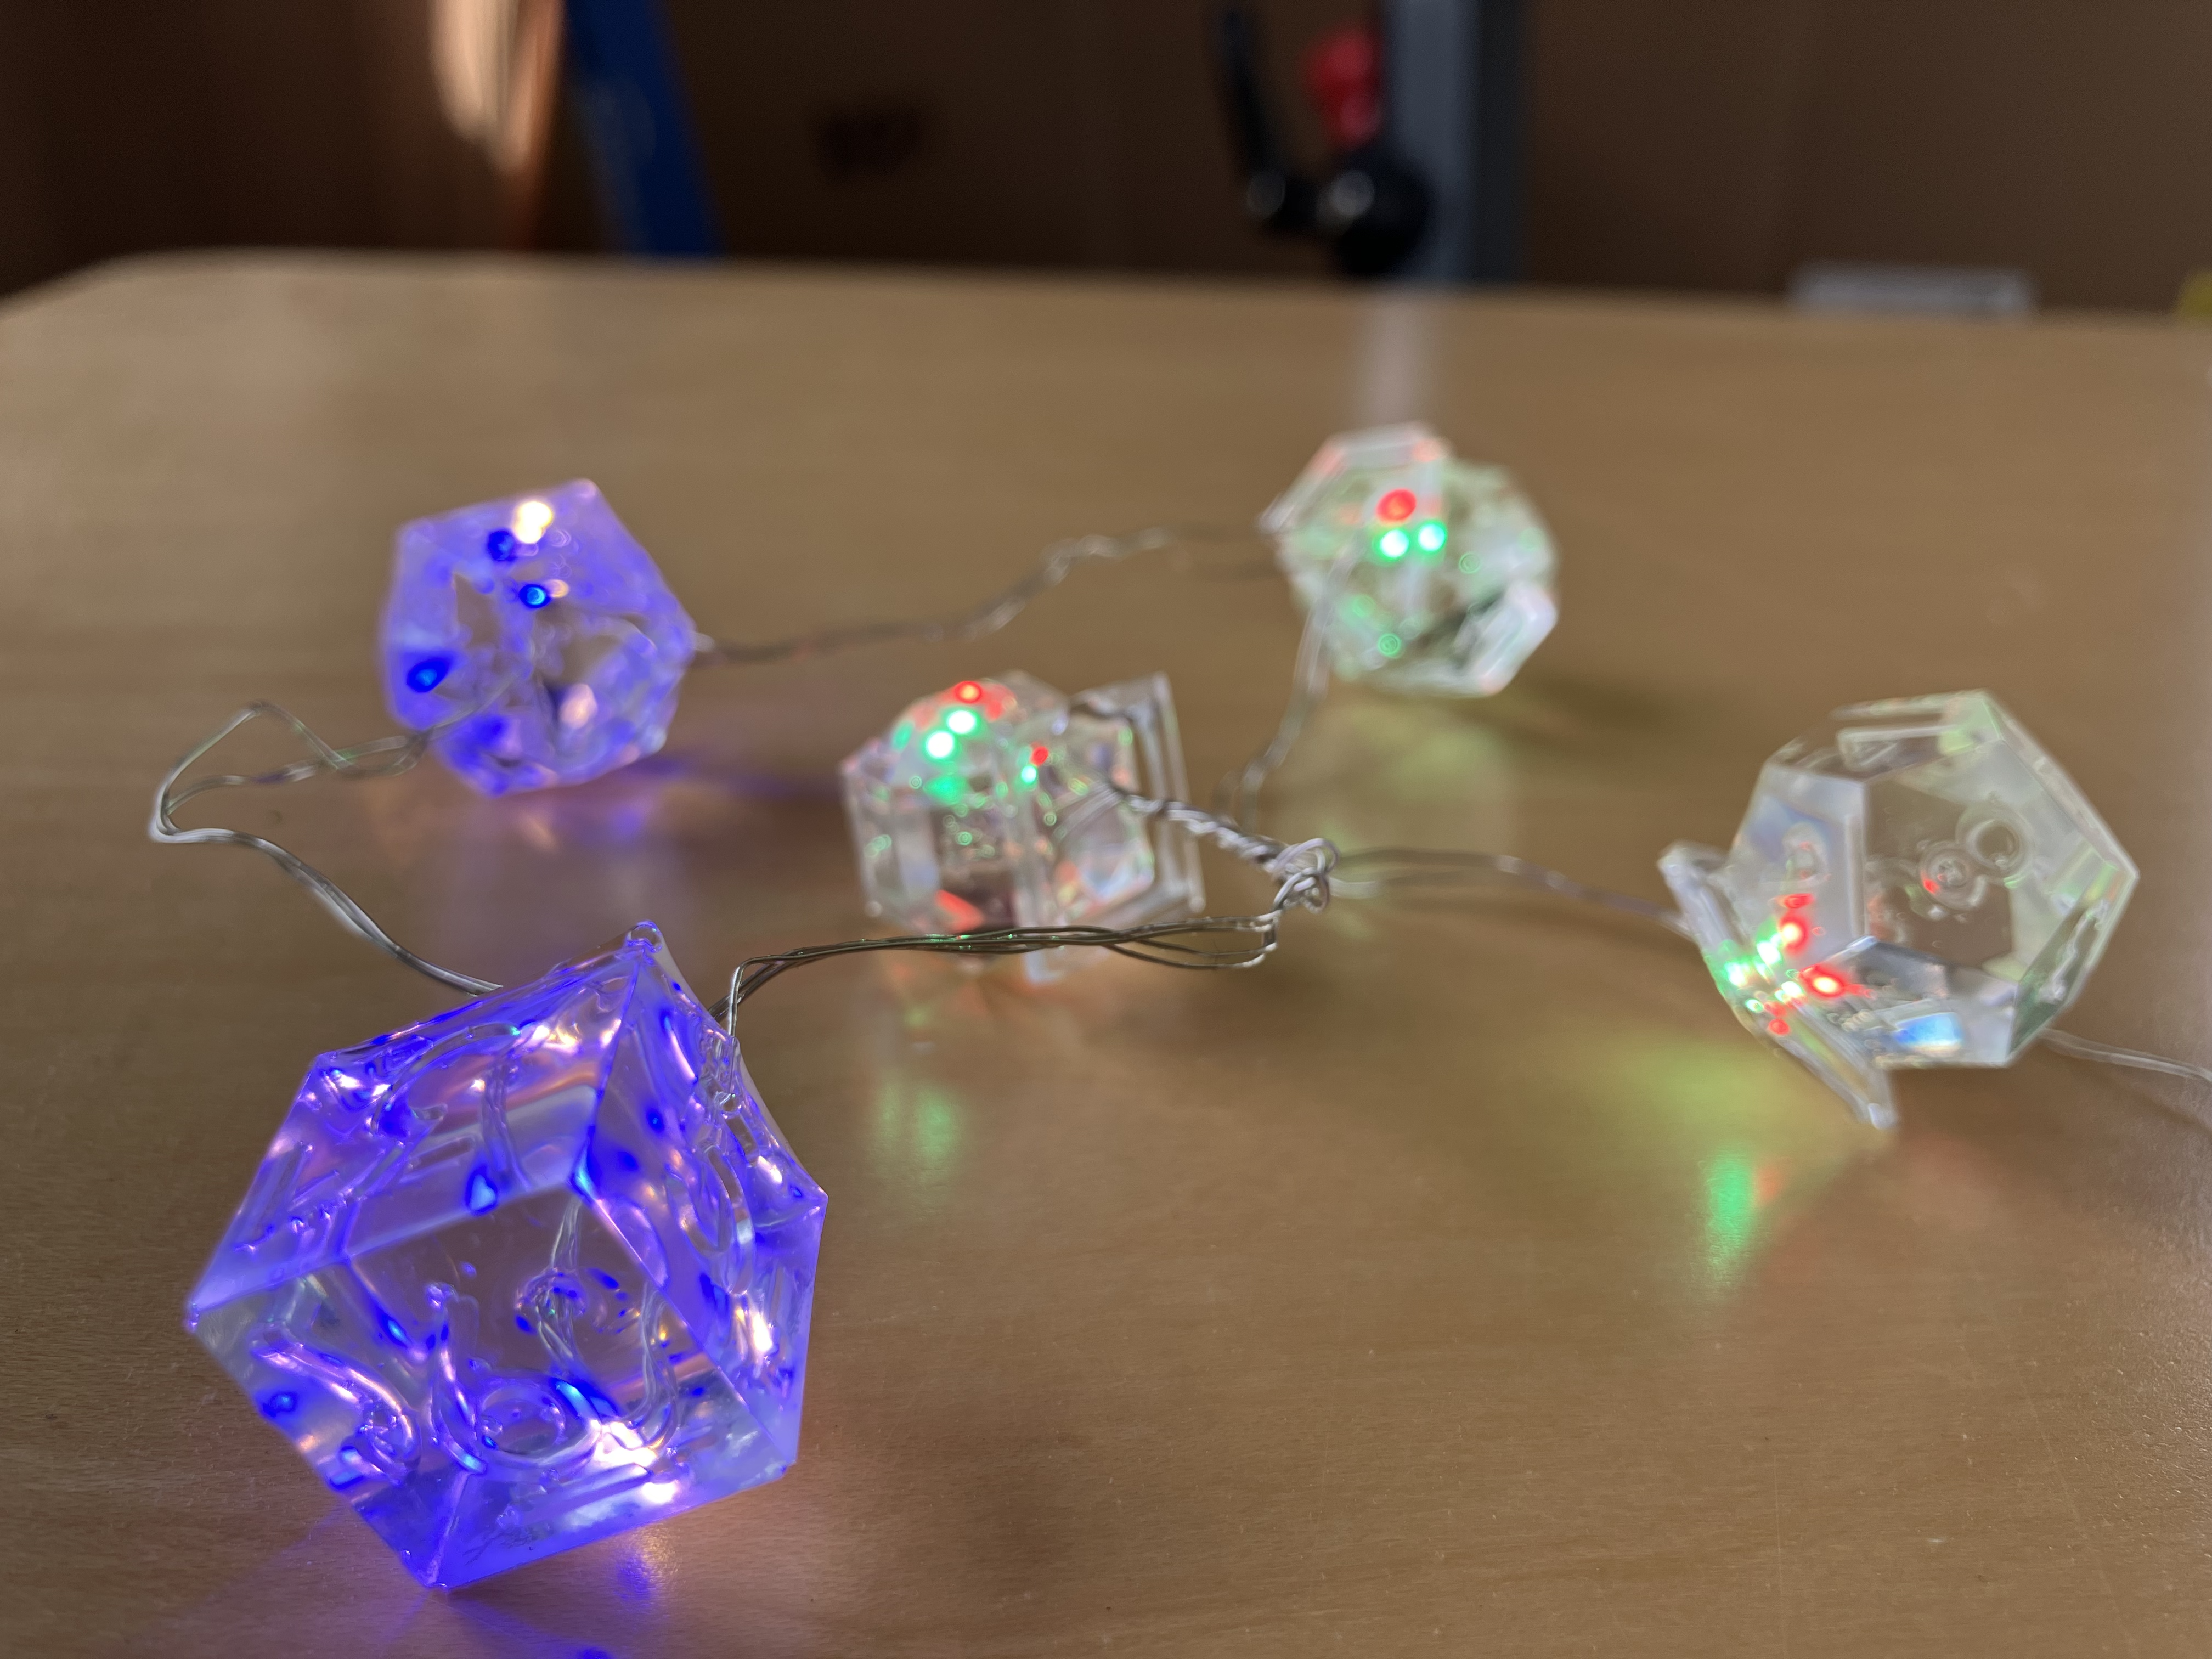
[528, 1274]
[535, 636]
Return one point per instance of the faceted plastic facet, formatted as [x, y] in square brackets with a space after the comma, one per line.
[994, 804]
[542, 630]
[1915, 883]
[1441, 570]
[530, 1272]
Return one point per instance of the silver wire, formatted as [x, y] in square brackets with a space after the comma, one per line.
[1304, 868]
[2107, 1053]
[1373, 871]
[1236, 797]
[383, 757]
[1156, 943]
[1053, 567]
[1300, 869]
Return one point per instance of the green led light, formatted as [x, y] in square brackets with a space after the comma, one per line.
[1431, 537]
[937, 744]
[1029, 774]
[1390, 645]
[962, 720]
[1392, 544]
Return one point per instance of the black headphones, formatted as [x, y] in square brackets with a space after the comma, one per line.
[1370, 209]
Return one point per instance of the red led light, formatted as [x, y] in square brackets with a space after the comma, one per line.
[964, 917]
[1395, 506]
[1822, 983]
[1796, 901]
[1779, 1027]
[1040, 754]
[1793, 934]
[968, 691]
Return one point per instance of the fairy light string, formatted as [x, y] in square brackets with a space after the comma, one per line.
[1307, 873]
[1054, 565]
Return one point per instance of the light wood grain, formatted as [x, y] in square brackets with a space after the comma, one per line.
[1464, 1282]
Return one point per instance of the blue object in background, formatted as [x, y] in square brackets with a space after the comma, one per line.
[527, 1274]
[638, 128]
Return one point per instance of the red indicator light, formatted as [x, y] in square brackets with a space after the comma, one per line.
[968, 691]
[1779, 1027]
[1040, 754]
[1395, 506]
[1822, 983]
[964, 917]
[1796, 901]
[1793, 934]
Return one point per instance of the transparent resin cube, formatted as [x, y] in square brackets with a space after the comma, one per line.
[542, 630]
[1915, 884]
[1441, 570]
[995, 804]
[527, 1274]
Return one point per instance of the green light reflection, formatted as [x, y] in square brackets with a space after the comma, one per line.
[918, 1131]
[1738, 1191]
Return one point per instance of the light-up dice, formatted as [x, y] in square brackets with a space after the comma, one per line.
[527, 1274]
[997, 804]
[537, 636]
[1437, 571]
[1915, 883]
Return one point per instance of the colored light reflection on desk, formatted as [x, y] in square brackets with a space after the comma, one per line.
[1738, 1188]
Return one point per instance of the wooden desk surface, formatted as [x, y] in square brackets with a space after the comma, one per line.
[1464, 1282]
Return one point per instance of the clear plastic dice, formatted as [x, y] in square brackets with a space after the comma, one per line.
[997, 804]
[1435, 573]
[1915, 884]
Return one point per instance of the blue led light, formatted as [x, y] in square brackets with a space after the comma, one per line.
[501, 544]
[534, 595]
[425, 675]
[1932, 1034]
[481, 1195]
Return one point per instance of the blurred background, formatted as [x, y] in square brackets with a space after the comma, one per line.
[1977, 155]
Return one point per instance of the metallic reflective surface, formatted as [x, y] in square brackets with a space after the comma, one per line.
[1466, 1279]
